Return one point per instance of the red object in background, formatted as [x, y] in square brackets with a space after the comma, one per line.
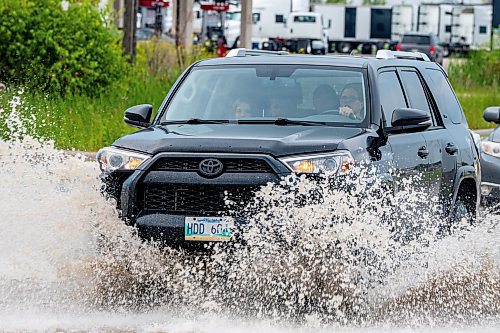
[433, 49]
[398, 47]
[221, 47]
[153, 3]
[215, 7]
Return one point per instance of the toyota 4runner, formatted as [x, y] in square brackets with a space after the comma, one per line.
[230, 125]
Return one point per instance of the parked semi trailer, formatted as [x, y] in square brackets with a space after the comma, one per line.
[354, 27]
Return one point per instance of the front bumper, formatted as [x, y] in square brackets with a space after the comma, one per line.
[157, 201]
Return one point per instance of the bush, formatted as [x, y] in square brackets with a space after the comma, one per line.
[60, 51]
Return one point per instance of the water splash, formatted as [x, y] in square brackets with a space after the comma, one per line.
[311, 258]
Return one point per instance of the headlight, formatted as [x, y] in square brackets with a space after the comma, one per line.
[491, 148]
[111, 159]
[337, 162]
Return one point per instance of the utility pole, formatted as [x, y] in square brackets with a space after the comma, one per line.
[246, 24]
[183, 23]
[129, 28]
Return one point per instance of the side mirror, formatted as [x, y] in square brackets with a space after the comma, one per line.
[492, 114]
[139, 115]
[410, 119]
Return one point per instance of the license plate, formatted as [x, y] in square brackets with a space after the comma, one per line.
[213, 229]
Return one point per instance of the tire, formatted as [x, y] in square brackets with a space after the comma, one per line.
[461, 218]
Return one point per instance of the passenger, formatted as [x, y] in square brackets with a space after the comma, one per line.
[351, 101]
[325, 98]
[244, 108]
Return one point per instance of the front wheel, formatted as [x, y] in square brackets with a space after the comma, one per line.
[462, 216]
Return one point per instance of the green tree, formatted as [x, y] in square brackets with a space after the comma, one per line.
[44, 46]
[373, 2]
[330, 1]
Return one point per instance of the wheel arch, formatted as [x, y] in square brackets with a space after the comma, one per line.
[466, 187]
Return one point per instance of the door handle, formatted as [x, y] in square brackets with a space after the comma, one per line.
[451, 149]
[423, 152]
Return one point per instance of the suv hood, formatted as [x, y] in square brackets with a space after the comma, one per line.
[232, 138]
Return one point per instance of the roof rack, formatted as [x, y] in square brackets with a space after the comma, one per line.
[388, 54]
[248, 52]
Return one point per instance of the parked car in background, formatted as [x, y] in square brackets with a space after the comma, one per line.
[490, 159]
[144, 33]
[424, 42]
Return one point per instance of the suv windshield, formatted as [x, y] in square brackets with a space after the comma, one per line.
[266, 93]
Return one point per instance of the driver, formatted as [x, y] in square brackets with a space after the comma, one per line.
[325, 98]
[351, 101]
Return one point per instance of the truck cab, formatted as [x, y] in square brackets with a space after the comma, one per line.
[309, 28]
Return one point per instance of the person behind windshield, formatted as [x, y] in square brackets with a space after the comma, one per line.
[244, 108]
[351, 101]
[325, 98]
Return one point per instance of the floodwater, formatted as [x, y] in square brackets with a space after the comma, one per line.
[336, 262]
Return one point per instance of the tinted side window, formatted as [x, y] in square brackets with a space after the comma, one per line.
[444, 96]
[416, 94]
[391, 94]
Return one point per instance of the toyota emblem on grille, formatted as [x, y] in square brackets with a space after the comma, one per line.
[210, 167]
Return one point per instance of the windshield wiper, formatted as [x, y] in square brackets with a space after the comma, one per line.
[282, 122]
[194, 121]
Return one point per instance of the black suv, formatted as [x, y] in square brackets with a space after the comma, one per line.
[230, 125]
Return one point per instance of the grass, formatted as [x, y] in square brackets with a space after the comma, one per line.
[474, 101]
[476, 81]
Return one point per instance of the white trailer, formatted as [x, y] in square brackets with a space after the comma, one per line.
[459, 27]
[350, 27]
[403, 20]
[471, 27]
[436, 18]
[269, 18]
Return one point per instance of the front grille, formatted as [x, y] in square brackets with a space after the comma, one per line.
[196, 198]
[244, 165]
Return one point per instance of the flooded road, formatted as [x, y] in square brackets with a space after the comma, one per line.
[68, 263]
